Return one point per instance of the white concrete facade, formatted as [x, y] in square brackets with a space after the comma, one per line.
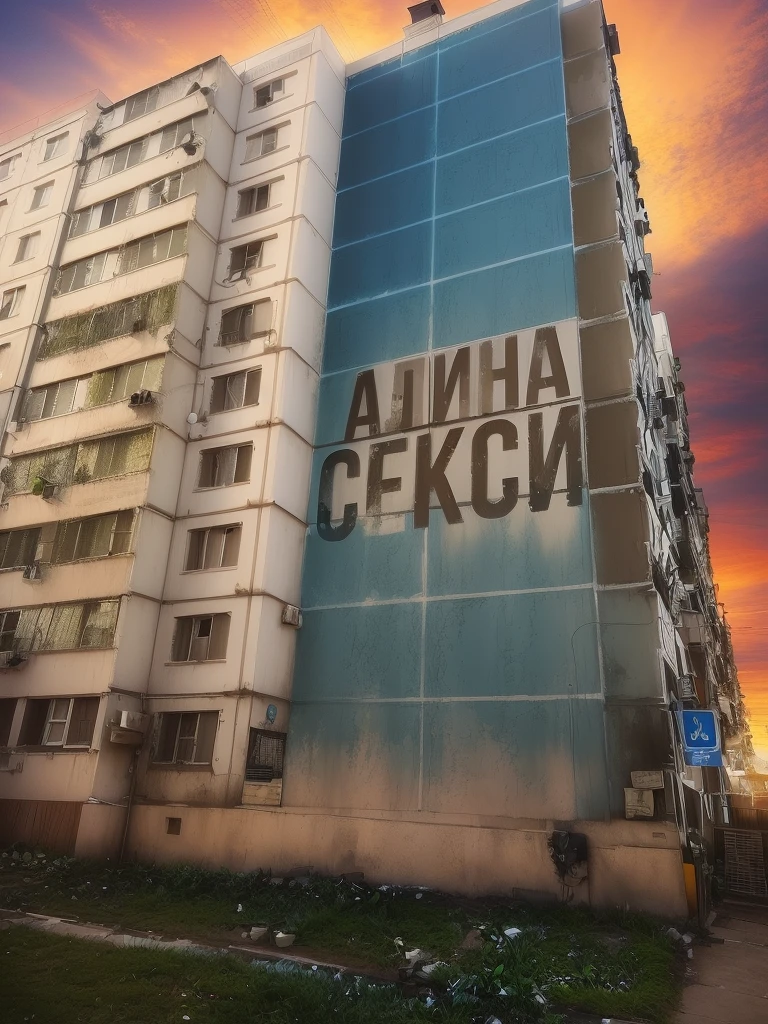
[150, 546]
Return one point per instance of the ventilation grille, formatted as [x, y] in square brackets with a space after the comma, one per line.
[745, 864]
[277, 63]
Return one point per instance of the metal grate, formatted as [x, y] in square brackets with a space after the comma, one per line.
[744, 863]
[265, 756]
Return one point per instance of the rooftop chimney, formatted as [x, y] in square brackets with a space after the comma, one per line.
[427, 9]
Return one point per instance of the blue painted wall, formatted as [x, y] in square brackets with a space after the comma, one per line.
[452, 668]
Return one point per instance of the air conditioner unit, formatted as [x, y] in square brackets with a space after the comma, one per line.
[129, 727]
[49, 492]
[33, 572]
[292, 616]
[141, 398]
[11, 659]
[11, 762]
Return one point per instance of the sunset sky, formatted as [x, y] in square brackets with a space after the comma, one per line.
[694, 87]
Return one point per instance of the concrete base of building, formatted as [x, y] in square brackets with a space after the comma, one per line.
[635, 865]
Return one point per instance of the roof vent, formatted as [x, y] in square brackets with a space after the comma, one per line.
[427, 9]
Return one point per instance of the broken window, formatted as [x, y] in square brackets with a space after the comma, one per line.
[261, 144]
[200, 638]
[252, 200]
[245, 322]
[263, 95]
[245, 258]
[10, 302]
[18, 547]
[42, 196]
[221, 467]
[28, 246]
[215, 547]
[235, 390]
[266, 751]
[186, 737]
[7, 711]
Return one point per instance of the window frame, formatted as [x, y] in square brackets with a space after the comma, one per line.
[25, 244]
[45, 191]
[273, 130]
[12, 305]
[11, 162]
[175, 762]
[197, 629]
[221, 389]
[218, 451]
[253, 207]
[81, 537]
[54, 140]
[242, 338]
[201, 539]
[270, 87]
[28, 545]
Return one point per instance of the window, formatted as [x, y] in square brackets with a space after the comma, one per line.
[152, 249]
[61, 722]
[126, 156]
[245, 258]
[186, 737]
[42, 196]
[61, 627]
[78, 463]
[142, 103]
[251, 200]
[200, 638]
[263, 95]
[96, 537]
[7, 165]
[28, 246]
[9, 622]
[103, 214]
[121, 382]
[164, 191]
[18, 548]
[7, 711]
[173, 134]
[3, 208]
[213, 548]
[81, 274]
[245, 322]
[266, 751]
[55, 146]
[235, 390]
[260, 144]
[11, 301]
[147, 312]
[220, 467]
[54, 400]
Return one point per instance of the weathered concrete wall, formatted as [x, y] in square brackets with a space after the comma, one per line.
[630, 863]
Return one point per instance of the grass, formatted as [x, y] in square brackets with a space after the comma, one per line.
[610, 964]
[47, 978]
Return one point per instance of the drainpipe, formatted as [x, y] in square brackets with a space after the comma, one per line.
[134, 769]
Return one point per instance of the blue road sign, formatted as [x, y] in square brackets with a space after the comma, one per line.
[701, 738]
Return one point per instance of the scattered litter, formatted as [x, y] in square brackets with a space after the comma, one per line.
[690, 954]
[239, 908]
[419, 895]
[185, 1017]
[493, 1020]
[283, 939]
[427, 969]
[687, 938]
[414, 955]
[512, 933]
[257, 933]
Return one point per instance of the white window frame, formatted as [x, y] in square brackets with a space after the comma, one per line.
[54, 146]
[276, 90]
[11, 300]
[262, 136]
[50, 720]
[30, 241]
[203, 552]
[41, 196]
[10, 163]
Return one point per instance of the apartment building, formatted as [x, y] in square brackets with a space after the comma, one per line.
[348, 514]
